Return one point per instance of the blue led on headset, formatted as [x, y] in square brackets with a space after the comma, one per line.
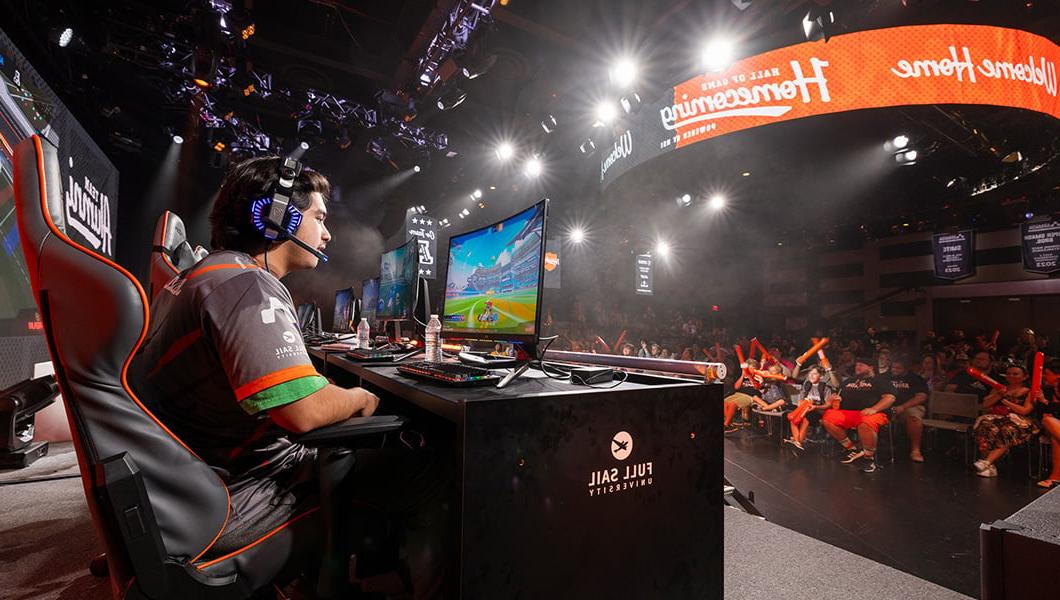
[258, 210]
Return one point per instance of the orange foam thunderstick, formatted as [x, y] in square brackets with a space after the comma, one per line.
[746, 370]
[1036, 374]
[765, 353]
[768, 375]
[824, 360]
[988, 380]
[821, 343]
[796, 416]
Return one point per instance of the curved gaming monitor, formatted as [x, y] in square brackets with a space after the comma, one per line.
[493, 279]
[397, 283]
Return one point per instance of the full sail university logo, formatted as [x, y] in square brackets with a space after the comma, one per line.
[621, 478]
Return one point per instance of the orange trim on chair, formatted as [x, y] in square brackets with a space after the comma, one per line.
[213, 562]
[165, 255]
[143, 330]
[274, 378]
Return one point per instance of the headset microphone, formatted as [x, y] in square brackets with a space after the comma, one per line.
[304, 246]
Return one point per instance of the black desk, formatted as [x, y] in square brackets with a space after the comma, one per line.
[551, 506]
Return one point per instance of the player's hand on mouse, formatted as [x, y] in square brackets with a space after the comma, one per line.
[370, 402]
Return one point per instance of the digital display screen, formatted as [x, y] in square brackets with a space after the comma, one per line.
[343, 321]
[397, 275]
[370, 300]
[494, 276]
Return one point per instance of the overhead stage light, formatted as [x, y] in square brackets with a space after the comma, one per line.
[304, 145]
[717, 55]
[548, 124]
[901, 142]
[65, 37]
[630, 103]
[624, 72]
[505, 150]
[1012, 157]
[416, 169]
[587, 147]
[577, 235]
[177, 139]
[477, 194]
[662, 248]
[819, 24]
[906, 158]
[717, 202]
[605, 113]
[452, 99]
[684, 200]
[533, 167]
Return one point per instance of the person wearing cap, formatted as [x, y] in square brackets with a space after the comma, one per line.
[1026, 346]
[863, 400]
[963, 383]
[910, 392]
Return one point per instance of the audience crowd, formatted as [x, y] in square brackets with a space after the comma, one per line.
[860, 381]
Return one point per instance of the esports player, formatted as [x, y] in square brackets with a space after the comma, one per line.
[864, 398]
[224, 367]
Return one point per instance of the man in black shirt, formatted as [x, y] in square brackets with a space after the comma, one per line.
[963, 383]
[910, 393]
[863, 402]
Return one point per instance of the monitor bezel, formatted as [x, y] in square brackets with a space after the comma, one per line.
[520, 338]
[353, 300]
[413, 285]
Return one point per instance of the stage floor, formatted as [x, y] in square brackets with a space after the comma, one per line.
[919, 518]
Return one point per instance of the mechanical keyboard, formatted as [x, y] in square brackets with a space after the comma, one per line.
[449, 373]
[376, 355]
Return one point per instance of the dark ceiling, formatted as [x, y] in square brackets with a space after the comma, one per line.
[815, 180]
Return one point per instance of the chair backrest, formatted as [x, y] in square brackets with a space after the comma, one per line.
[951, 404]
[170, 252]
[95, 317]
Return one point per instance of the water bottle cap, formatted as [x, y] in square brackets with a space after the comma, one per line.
[434, 316]
[364, 319]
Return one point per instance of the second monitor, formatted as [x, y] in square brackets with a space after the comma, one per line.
[397, 278]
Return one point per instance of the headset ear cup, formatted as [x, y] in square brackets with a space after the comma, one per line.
[293, 219]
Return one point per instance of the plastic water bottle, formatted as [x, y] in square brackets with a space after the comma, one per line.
[362, 334]
[434, 343]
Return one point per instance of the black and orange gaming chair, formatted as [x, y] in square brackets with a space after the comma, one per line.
[157, 507]
[170, 252]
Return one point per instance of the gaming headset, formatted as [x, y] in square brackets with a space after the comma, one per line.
[274, 217]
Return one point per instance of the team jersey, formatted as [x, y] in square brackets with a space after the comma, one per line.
[966, 384]
[223, 348]
[907, 386]
[861, 393]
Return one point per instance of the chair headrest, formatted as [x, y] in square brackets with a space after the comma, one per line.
[170, 232]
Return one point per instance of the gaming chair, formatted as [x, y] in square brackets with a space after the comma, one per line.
[170, 252]
[156, 506]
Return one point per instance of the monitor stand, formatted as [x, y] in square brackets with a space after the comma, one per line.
[484, 354]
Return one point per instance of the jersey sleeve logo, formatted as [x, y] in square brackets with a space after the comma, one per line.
[268, 316]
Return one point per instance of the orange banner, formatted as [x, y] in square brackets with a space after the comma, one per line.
[922, 64]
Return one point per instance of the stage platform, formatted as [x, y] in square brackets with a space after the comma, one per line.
[46, 542]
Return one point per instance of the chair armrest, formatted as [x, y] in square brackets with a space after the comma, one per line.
[343, 432]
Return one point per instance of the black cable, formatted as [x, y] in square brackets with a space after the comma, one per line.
[542, 366]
